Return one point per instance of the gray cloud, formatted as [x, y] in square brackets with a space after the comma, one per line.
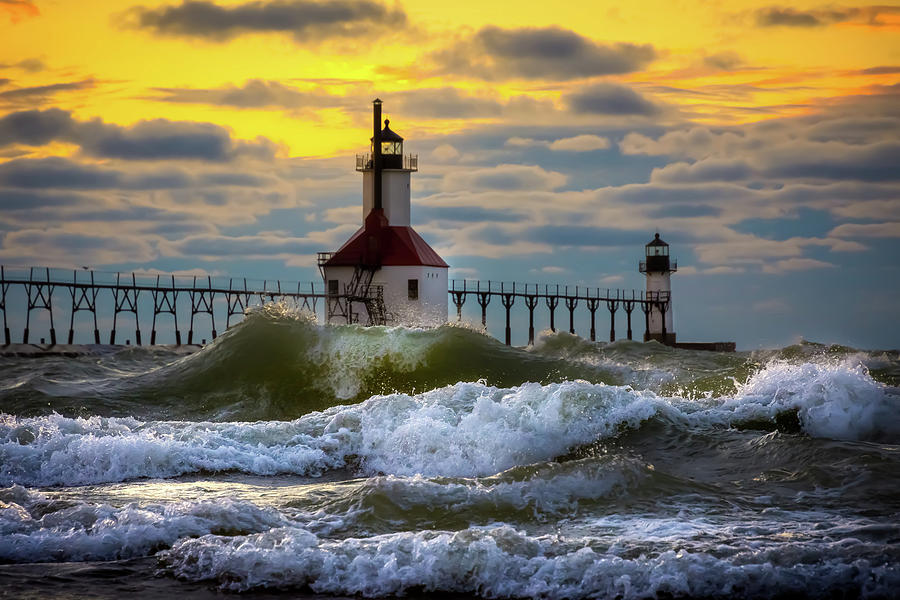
[243, 246]
[465, 214]
[24, 200]
[610, 99]
[883, 70]
[446, 103]
[778, 16]
[590, 236]
[504, 177]
[35, 127]
[684, 211]
[723, 61]
[62, 173]
[255, 93]
[39, 93]
[305, 20]
[49, 173]
[539, 53]
[159, 139]
[30, 65]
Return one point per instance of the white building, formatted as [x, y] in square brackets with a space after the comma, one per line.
[385, 273]
[658, 269]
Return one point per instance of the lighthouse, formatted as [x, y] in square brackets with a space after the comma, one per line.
[658, 269]
[385, 273]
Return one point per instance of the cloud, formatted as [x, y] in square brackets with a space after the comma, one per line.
[158, 139]
[777, 16]
[465, 214]
[40, 93]
[63, 248]
[609, 99]
[723, 61]
[580, 143]
[307, 21]
[61, 173]
[255, 93]
[504, 177]
[445, 153]
[30, 65]
[161, 139]
[857, 230]
[538, 53]
[585, 236]
[445, 103]
[35, 127]
[214, 247]
[795, 264]
[55, 172]
[883, 70]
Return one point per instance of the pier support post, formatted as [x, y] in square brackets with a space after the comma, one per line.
[125, 299]
[646, 307]
[508, 299]
[202, 302]
[4, 287]
[552, 303]
[612, 305]
[628, 305]
[40, 296]
[84, 297]
[239, 299]
[593, 304]
[459, 298]
[484, 298]
[571, 303]
[531, 303]
[165, 300]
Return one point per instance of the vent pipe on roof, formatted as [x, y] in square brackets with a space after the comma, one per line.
[376, 153]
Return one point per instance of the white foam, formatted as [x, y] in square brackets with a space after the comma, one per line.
[503, 562]
[83, 531]
[553, 489]
[463, 430]
[834, 399]
[80, 451]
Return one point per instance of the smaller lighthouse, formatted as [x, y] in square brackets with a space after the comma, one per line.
[658, 269]
[385, 273]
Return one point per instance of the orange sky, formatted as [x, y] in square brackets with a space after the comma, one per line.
[717, 50]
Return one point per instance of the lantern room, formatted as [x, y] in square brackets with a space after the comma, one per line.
[657, 257]
[391, 147]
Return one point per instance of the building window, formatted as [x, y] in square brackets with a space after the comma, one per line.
[332, 287]
[412, 287]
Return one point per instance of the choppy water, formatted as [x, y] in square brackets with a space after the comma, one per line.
[289, 458]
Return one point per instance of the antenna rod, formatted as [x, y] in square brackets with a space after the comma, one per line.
[376, 153]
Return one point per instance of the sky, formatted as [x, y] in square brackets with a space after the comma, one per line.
[762, 141]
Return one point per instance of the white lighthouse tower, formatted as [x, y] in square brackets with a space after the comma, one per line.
[658, 269]
[385, 273]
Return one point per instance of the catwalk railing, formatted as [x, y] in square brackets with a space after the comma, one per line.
[533, 294]
[84, 287]
[83, 290]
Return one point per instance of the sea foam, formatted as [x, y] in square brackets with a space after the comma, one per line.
[504, 562]
[31, 531]
[463, 430]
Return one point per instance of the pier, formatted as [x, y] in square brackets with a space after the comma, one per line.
[107, 307]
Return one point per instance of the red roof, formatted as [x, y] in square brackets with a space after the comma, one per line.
[379, 244]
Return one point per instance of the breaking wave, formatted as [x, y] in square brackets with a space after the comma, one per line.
[460, 430]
